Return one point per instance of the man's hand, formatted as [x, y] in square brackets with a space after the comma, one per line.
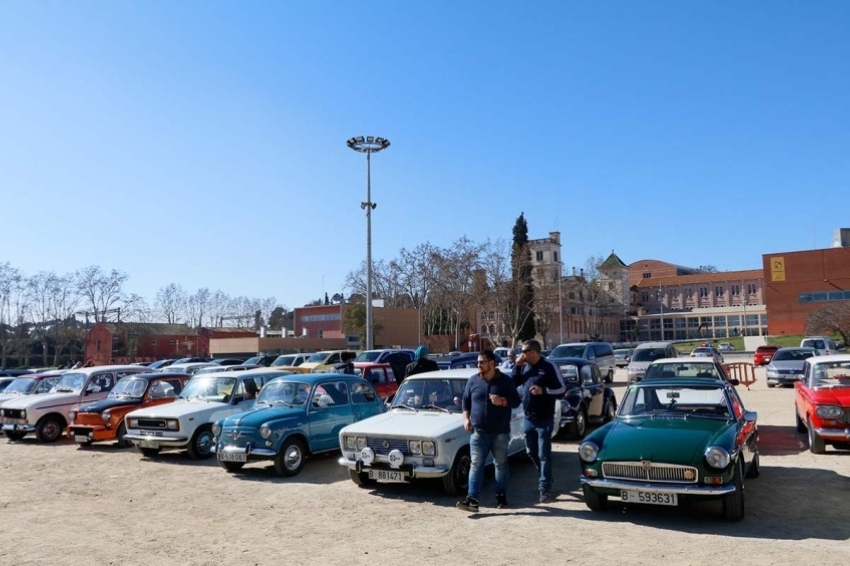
[535, 390]
[467, 424]
[497, 400]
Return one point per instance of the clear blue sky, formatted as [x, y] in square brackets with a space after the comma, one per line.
[203, 143]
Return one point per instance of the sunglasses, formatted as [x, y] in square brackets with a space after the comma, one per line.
[529, 350]
[482, 362]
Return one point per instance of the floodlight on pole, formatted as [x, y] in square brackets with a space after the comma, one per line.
[368, 145]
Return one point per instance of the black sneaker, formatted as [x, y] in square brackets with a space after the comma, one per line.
[545, 497]
[501, 501]
[468, 504]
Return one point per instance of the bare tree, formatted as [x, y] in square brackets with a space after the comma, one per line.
[10, 278]
[833, 318]
[218, 308]
[102, 293]
[171, 303]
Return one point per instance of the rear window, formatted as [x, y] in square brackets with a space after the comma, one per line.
[649, 354]
[767, 348]
[817, 344]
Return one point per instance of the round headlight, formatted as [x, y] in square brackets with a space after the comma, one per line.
[350, 442]
[415, 447]
[588, 452]
[216, 429]
[265, 431]
[428, 448]
[717, 457]
[361, 442]
[829, 412]
[105, 416]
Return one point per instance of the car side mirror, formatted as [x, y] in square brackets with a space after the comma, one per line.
[734, 382]
[750, 416]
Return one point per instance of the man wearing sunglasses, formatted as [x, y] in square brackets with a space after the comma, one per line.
[487, 403]
[541, 387]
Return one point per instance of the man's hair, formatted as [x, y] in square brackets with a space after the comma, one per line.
[533, 345]
[345, 356]
[489, 354]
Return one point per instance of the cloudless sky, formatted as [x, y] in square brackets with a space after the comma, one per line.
[203, 143]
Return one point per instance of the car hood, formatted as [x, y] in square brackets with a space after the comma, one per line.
[788, 364]
[8, 396]
[179, 408]
[262, 414]
[673, 440]
[832, 396]
[405, 423]
[110, 403]
[46, 400]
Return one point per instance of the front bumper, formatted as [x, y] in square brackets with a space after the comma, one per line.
[94, 433]
[784, 379]
[28, 428]
[157, 441]
[412, 470]
[252, 452]
[692, 489]
[834, 434]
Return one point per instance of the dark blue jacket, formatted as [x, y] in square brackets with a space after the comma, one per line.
[485, 416]
[544, 374]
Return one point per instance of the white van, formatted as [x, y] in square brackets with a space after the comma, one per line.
[822, 344]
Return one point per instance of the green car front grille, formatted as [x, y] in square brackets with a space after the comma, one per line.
[649, 471]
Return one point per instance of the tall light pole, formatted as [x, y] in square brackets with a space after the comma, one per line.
[560, 304]
[660, 298]
[368, 145]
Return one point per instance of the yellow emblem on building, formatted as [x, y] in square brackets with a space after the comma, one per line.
[777, 268]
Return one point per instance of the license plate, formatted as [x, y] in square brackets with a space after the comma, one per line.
[232, 457]
[80, 438]
[14, 421]
[386, 476]
[649, 497]
[147, 444]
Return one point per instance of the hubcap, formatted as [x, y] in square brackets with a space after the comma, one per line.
[293, 457]
[204, 443]
[51, 430]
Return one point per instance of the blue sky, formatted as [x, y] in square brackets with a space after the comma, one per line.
[203, 143]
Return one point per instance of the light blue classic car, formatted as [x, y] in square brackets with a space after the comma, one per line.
[294, 416]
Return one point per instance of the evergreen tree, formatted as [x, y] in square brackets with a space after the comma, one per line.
[522, 278]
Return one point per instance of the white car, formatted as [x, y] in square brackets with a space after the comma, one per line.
[421, 436]
[190, 368]
[187, 422]
[47, 415]
[30, 384]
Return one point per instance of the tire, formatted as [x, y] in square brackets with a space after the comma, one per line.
[801, 426]
[49, 429]
[594, 501]
[150, 452]
[610, 377]
[578, 428]
[290, 460]
[610, 411]
[231, 466]
[771, 385]
[122, 432]
[816, 443]
[456, 482]
[733, 504]
[12, 435]
[754, 470]
[360, 478]
[202, 443]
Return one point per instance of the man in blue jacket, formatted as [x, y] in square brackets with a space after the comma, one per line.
[487, 403]
[541, 387]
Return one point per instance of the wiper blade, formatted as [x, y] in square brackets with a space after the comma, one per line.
[433, 406]
[63, 390]
[402, 405]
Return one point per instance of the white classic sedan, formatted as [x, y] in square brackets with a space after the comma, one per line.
[421, 436]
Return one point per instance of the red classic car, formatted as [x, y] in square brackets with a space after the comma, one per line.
[381, 376]
[763, 355]
[822, 402]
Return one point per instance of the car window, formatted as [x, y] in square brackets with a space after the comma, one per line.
[161, 390]
[46, 384]
[334, 359]
[330, 394]
[103, 380]
[650, 354]
[588, 376]
[362, 393]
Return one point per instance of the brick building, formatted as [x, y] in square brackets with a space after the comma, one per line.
[398, 326]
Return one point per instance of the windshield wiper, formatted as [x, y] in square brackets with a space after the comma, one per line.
[402, 405]
[433, 406]
[64, 390]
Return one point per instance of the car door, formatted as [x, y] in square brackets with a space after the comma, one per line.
[591, 383]
[329, 410]
[365, 401]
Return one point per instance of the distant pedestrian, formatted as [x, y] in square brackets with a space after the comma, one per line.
[510, 363]
[347, 365]
[421, 363]
[541, 388]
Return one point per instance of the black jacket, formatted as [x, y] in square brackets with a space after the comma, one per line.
[420, 366]
[344, 367]
[544, 374]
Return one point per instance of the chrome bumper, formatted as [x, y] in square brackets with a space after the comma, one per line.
[19, 427]
[169, 441]
[414, 470]
[825, 433]
[250, 451]
[658, 488]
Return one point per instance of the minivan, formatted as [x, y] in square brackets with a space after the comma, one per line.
[822, 344]
[647, 353]
[600, 353]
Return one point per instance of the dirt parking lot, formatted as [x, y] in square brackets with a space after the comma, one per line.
[107, 506]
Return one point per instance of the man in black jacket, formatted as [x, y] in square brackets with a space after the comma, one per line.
[541, 387]
[421, 363]
[346, 365]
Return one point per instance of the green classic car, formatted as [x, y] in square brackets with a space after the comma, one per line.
[673, 440]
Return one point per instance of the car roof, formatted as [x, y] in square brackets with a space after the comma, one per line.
[160, 375]
[313, 378]
[455, 373]
[683, 361]
[570, 360]
[767, 347]
[653, 345]
[839, 358]
[95, 369]
[681, 381]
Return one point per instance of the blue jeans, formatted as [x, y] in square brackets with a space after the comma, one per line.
[481, 445]
[538, 444]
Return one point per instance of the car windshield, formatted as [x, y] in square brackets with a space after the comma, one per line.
[831, 374]
[766, 349]
[368, 356]
[686, 400]
[622, 352]
[574, 351]
[649, 354]
[254, 360]
[318, 357]
[129, 387]
[664, 370]
[706, 351]
[71, 382]
[430, 394]
[570, 372]
[792, 355]
[23, 385]
[284, 361]
[279, 392]
[209, 388]
[159, 364]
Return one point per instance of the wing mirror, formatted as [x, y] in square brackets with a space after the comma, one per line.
[751, 416]
[734, 382]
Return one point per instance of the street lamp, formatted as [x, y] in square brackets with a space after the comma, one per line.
[660, 297]
[368, 145]
[560, 306]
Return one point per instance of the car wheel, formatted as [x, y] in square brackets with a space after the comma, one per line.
[122, 432]
[755, 469]
[578, 428]
[611, 411]
[200, 448]
[360, 478]
[610, 377]
[12, 435]
[733, 504]
[231, 466]
[49, 429]
[456, 482]
[816, 443]
[594, 501]
[290, 459]
[149, 452]
[801, 426]
[771, 385]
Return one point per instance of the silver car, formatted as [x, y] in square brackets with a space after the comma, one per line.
[786, 367]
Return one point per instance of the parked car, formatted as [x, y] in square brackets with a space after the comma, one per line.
[380, 376]
[460, 360]
[623, 356]
[707, 352]
[104, 420]
[190, 367]
[587, 398]
[187, 423]
[822, 402]
[647, 353]
[5, 381]
[192, 360]
[382, 356]
[47, 415]
[679, 368]
[30, 384]
[16, 372]
[824, 345]
[215, 368]
[725, 347]
[787, 365]
[159, 364]
[764, 354]
[421, 436]
[671, 441]
[228, 361]
[600, 353]
[291, 362]
[264, 360]
[294, 416]
[321, 362]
